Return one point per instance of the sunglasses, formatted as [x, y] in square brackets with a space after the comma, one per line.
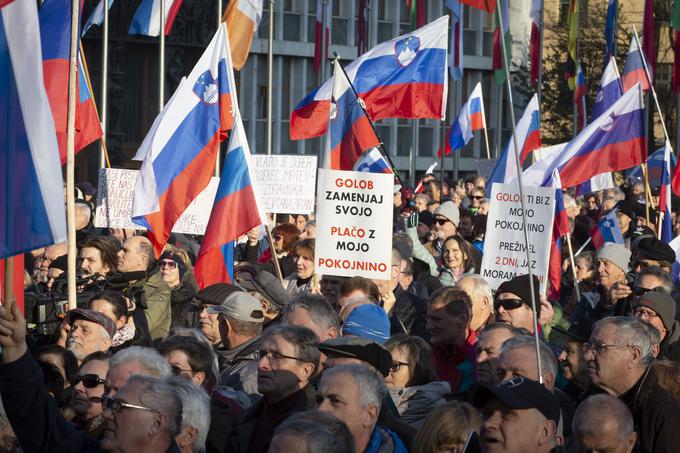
[116, 406]
[440, 221]
[478, 197]
[168, 264]
[89, 381]
[508, 304]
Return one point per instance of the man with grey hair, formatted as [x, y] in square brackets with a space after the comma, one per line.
[195, 415]
[603, 423]
[482, 300]
[313, 312]
[312, 432]
[135, 360]
[488, 349]
[354, 394]
[89, 332]
[619, 354]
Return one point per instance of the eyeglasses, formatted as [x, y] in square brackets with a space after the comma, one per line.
[275, 356]
[168, 264]
[177, 370]
[508, 304]
[89, 381]
[602, 347]
[396, 366]
[116, 406]
[440, 221]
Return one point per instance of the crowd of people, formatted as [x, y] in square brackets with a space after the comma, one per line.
[431, 360]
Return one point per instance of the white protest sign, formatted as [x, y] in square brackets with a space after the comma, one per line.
[114, 203]
[354, 224]
[505, 253]
[285, 183]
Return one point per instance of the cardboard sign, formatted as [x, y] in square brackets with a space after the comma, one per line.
[505, 253]
[286, 183]
[114, 203]
[354, 224]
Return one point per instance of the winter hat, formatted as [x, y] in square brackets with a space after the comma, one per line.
[177, 259]
[651, 248]
[449, 210]
[519, 286]
[368, 321]
[616, 253]
[661, 303]
[626, 207]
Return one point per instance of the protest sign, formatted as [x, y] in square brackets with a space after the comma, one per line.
[285, 183]
[354, 224]
[114, 203]
[505, 253]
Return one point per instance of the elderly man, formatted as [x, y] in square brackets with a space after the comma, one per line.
[609, 297]
[658, 309]
[354, 394]
[619, 355]
[603, 423]
[135, 360]
[195, 416]
[513, 303]
[519, 415]
[488, 346]
[312, 432]
[289, 359]
[650, 251]
[137, 256]
[144, 415]
[90, 331]
[313, 312]
[572, 359]
[482, 300]
[268, 290]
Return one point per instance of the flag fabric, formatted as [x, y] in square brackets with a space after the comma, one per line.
[32, 213]
[55, 20]
[535, 40]
[497, 65]
[97, 16]
[373, 162]
[607, 230]
[322, 34]
[401, 78]
[560, 228]
[147, 18]
[648, 38]
[486, 5]
[610, 90]
[596, 183]
[655, 168]
[242, 18]
[180, 150]
[665, 196]
[362, 27]
[430, 169]
[236, 210]
[580, 93]
[5, 2]
[614, 141]
[505, 170]
[610, 30]
[349, 130]
[675, 181]
[456, 46]
[675, 24]
[17, 281]
[572, 46]
[634, 69]
[471, 118]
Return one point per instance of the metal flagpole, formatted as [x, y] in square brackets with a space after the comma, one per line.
[324, 49]
[70, 158]
[459, 104]
[521, 189]
[540, 57]
[499, 123]
[217, 159]
[161, 61]
[270, 72]
[105, 72]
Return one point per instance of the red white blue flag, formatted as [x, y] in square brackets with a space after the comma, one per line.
[560, 228]
[236, 210]
[97, 16]
[580, 93]
[147, 18]
[401, 78]
[32, 211]
[471, 118]
[350, 131]
[180, 151]
[634, 70]
[610, 90]
[665, 196]
[607, 230]
[373, 162]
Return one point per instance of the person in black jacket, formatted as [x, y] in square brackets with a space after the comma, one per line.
[619, 355]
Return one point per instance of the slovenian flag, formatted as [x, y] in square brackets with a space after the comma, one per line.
[634, 70]
[607, 230]
[665, 196]
[32, 213]
[147, 18]
[610, 90]
[471, 118]
[580, 93]
[349, 131]
[236, 210]
[560, 228]
[614, 141]
[401, 78]
[242, 18]
[372, 162]
[180, 151]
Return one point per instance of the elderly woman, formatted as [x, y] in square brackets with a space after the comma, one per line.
[302, 280]
[88, 388]
[175, 269]
[412, 381]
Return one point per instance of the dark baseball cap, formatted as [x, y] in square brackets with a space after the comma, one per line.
[358, 348]
[93, 316]
[266, 285]
[520, 393]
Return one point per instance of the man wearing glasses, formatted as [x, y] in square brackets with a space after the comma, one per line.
[658, 309]
[619, 355]
[513, 303]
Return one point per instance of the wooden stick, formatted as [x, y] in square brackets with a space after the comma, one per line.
[272, 250]
[8, 288]
[486, 141]
[573, 266]
[70, 158]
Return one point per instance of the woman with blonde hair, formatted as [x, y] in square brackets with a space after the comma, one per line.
[447, 429]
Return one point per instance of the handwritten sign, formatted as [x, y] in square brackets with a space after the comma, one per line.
[286, 183]
[354, 224]
[505, 253]
[114, 203]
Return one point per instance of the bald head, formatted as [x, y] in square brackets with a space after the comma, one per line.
[136, 255]
[604, 423]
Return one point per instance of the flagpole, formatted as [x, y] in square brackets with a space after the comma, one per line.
[506, 64]
[578, 252]
[8, 285]
[217, 159]
[573, 266]
[107, 162]
[459, 103]
[443, 148]
[499, 122]
[539, 90]
[103, 156]
[275, 258]
[270, 76]
[161, 61]
[647, 194]
[486, 141]
[70, 158]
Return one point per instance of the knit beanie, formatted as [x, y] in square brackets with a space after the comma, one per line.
[176, 258]
[661, 303]
[519, 286]
[368, 321]
[616, 253]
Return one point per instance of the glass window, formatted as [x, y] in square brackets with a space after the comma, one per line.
[286, 77]
[292, 26]
[426, 140]
[339, 31]
[469, 42]
[404, 140]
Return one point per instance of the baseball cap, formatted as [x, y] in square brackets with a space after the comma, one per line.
[520, 393]
[93, 316]
[358, 348]
[239, 305]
